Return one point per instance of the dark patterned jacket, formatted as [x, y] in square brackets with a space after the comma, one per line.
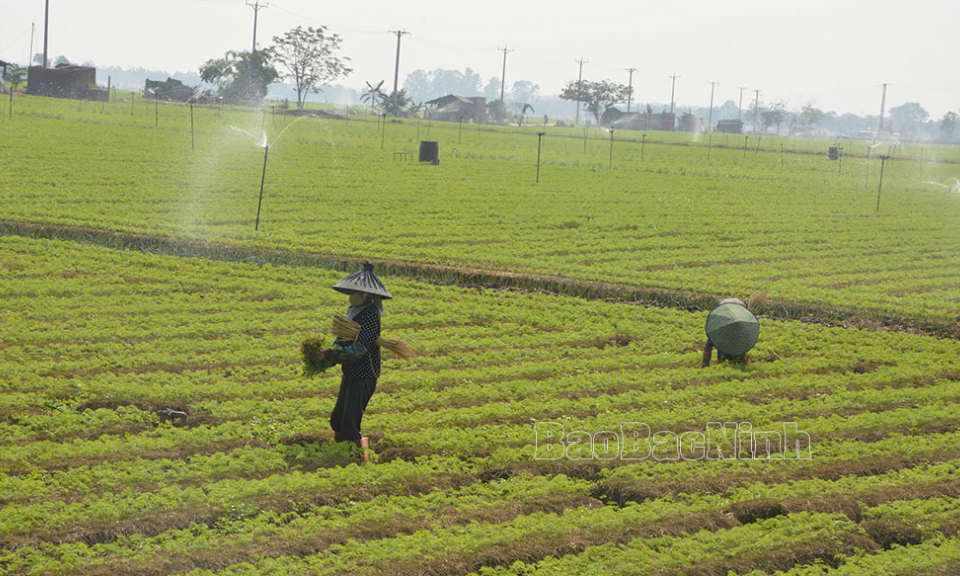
[367, 364]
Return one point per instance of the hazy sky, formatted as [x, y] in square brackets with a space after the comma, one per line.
[835, 53]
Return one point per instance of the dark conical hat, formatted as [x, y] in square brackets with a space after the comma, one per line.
[732, 328]
[363, 281]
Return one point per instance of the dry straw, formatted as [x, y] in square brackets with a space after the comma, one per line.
[347, 329]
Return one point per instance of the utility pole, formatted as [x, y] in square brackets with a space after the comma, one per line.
[756, 111]
[503, 77]
[581, 61]
[257, 7]
[46, 30]
[883, 104]
[740, 109]
[710, 121]
[630, 87]
[33, 33]
[672, 87]
[396, 67]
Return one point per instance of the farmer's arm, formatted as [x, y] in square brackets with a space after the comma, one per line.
[369, 321]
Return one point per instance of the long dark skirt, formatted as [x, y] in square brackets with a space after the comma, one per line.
[351, 403]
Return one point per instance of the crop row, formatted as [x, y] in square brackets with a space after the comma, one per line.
[672, 221]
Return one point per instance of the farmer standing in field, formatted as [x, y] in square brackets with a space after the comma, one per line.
[732, 329]
[361, 357]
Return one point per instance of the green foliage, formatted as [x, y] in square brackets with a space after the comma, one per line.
[311, 352]
[595, 96]
[396, 103]
[309, 58]
[373, 96]
[90, 480]
[241, 77]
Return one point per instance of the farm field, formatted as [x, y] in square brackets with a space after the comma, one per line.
[96, 342]
[676, 220]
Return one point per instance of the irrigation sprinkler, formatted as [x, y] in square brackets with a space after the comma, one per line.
[759, 140]
[193, 145]
[840, 160]
[866, 182]
[384, 131]
[103, 103]
[611, 148]
[263, 178]
[584, 139]
[133, 100]
[156, 106]
[418, 126]
[539, 144]
[781, 156]
[460, 132]
[429, 123]
[643, 145]
[266, 153]
[745, 138]
[709, 145]
[883, 163]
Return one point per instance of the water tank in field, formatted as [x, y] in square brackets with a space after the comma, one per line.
[833, 153]
[430, 152]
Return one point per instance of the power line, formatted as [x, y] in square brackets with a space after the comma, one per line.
[396, 69]
[257, 7]
[581, 61]
[630, 87]
[503, 76]
[740, 107]
[672, 88]
[756, 111]
[710, 117]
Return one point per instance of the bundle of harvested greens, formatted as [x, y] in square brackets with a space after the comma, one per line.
[311, 351]
[347, 329]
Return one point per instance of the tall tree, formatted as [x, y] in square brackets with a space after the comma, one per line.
[907, 117]
[774, 116]
[949, 122]
[241, 77]
[809, 115]
[524, 91]
[309, 57]
[595, 96]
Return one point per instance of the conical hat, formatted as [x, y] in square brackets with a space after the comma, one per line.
[732, 328]
[363, 281]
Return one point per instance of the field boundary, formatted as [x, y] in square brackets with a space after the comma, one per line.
[690, 301]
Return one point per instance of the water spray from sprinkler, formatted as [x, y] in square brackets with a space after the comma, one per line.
[266, 155]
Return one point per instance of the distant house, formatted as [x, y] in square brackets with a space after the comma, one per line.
[691, 123]
[170, 90]
[3, 77]
[614, 118]
[730, 127]
[65, 81]
[453, 108]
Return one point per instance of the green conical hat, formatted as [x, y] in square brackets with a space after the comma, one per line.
[363, 281]
[732, 328]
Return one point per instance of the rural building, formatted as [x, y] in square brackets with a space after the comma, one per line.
[65, 81]
[691, 123]
[614, 118]
[730, 127]
[170, 90]
[451, 108]
[3, 77]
